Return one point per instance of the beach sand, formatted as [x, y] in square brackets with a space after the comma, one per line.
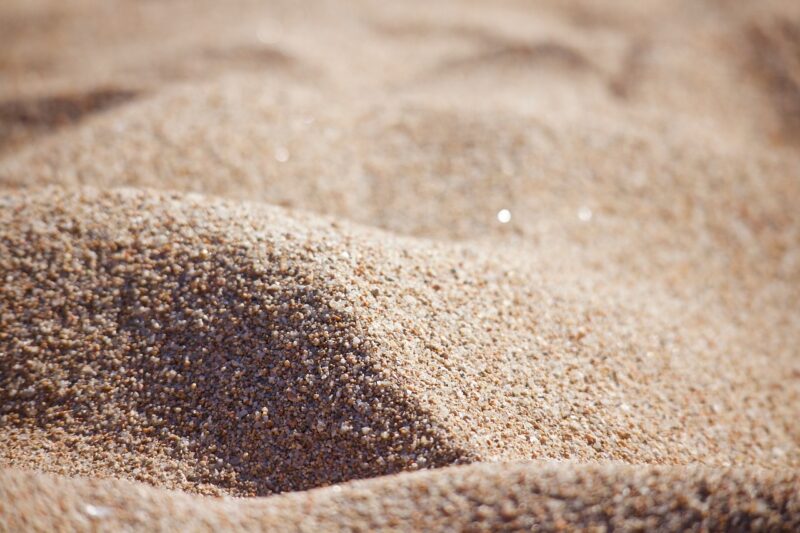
[263, 261]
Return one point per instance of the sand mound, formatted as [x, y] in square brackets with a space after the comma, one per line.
[172, 343]
[244, 349]
[476, 498]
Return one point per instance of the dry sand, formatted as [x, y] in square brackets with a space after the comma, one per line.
[249, 248]
[512, 496]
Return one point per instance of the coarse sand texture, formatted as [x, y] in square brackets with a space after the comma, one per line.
[429, 266]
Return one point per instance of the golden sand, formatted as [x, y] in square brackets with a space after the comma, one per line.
[511, 496]
[252, 248]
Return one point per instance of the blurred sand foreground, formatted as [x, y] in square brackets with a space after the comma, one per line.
[250, 248]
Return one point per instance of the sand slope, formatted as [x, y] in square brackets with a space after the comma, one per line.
[252, 247]
[242, 348]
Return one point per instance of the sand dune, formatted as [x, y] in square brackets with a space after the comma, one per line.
[250, 248]
[195, 342]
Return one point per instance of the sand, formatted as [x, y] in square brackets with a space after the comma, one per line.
[512, 496]
[256, 248]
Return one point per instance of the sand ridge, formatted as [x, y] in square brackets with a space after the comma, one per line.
[250, 248]
[483, 497]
